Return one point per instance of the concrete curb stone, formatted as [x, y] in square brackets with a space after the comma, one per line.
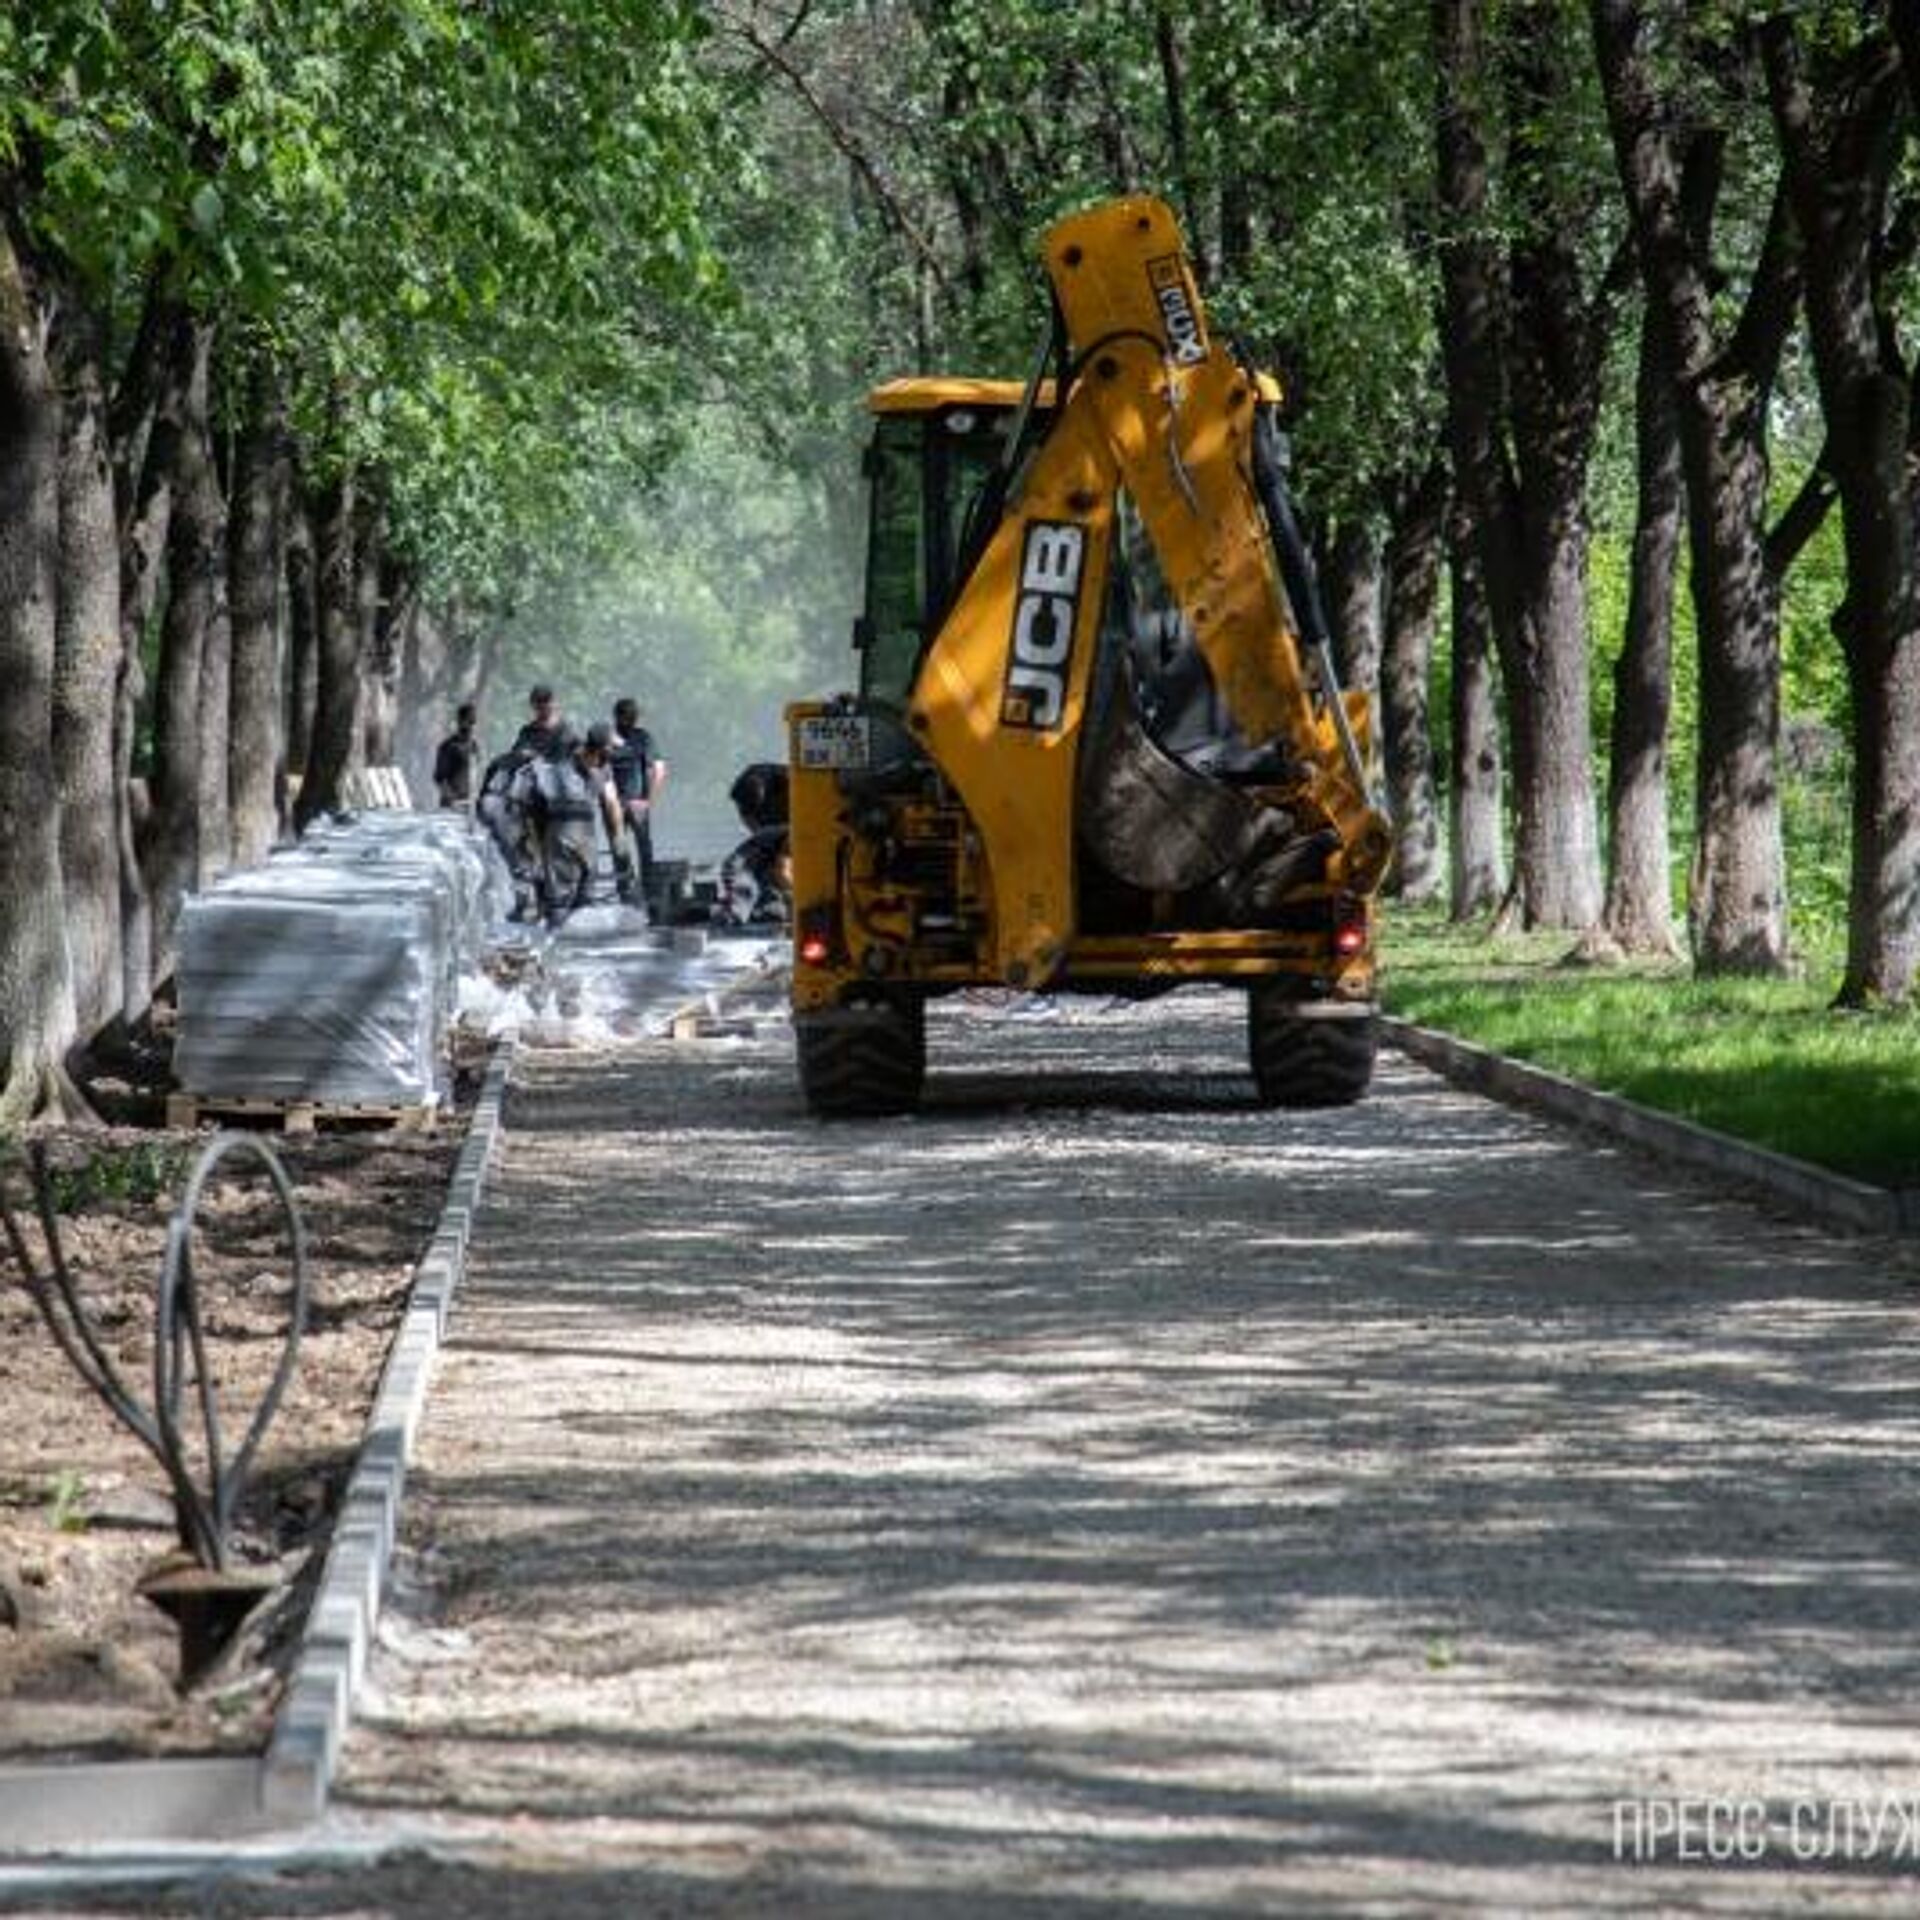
[298, 1770]
[1831, 1198]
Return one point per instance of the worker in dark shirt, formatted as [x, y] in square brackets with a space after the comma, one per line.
[639, 778]
[756, 878]
[456, 762]
[546, 736]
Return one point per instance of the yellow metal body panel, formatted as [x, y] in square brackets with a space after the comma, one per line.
[1168, 414]
[931, 393]
[815, 834]
[1017, 781]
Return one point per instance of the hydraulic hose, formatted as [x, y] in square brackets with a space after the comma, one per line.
[1303, 587]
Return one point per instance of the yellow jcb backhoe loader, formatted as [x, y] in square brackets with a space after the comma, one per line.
[1090, 751]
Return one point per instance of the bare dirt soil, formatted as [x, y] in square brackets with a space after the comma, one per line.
[87, 1667]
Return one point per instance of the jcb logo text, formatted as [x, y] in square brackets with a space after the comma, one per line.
[1043, 625]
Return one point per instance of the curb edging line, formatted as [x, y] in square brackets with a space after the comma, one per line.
[297, 1773]
[1829, 1197]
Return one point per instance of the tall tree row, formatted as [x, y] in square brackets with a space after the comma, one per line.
[1526, 326]
[328, 339]
[1843, 108]
[304, 319]
[1470, 228]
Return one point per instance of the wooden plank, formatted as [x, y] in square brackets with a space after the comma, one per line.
[295, 1116]
[716, 1014]
[689, 1025]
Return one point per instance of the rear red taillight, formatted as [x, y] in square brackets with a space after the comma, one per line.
[1349, 938]
[815, 942]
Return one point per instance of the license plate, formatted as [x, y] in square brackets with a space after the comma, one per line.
[831, 740]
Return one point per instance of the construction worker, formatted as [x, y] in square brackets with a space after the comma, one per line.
[502, 809]
[546, 735]
[756, 878]
[576, 820]
[456, 762]
[639, 778]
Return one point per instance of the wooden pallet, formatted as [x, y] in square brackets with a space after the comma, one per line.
[187, 1110]
[698, 1024]
[730, 1011]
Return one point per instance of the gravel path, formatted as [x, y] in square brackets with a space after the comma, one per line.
[1099, 1495]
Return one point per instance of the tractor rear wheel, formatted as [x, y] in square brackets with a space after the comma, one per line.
[1305, 1054]
[865, 1059]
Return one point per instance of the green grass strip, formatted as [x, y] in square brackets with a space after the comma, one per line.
[1768, 1061]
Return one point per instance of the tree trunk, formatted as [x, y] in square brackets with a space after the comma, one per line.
[303, 629]
[199, 541]
[145, 417]
[1737, 898]
[1842, 133]
[379, 657]
[1639, 912]
[1413, 599]
[398, 619]
[485, 644]
[196, 600]
[137, 399]
[1557, 833]
[86, 673]
[1234, 198]
[426, 695]
[255, 558]
[337, 698]
[1524, 348]
[1737, 917]
[1883, 677]
[1476, 878]
[149, 393]
[36, 997]
[129, 827]
[1352, 584]
[1173, 94]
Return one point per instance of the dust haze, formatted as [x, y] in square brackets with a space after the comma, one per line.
[730, 592]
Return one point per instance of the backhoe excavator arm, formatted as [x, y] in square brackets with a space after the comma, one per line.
[1150, 405]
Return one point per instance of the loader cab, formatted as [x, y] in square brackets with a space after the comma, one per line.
[935, 445]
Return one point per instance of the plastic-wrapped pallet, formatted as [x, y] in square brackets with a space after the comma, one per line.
[446, 842]
[485, 889]
[318, 978]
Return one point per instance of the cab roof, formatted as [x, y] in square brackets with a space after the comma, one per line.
[929, 394]
[932, 393]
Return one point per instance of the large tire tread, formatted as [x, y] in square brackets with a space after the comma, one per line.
[873, 1063]
[1302, 1061]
